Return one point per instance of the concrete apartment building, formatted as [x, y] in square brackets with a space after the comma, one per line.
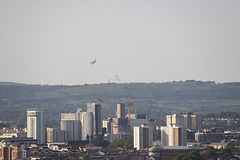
[175, 119]
[142, 136]
[189, 120]
[36, 124]
[192, 121]
[173, 136]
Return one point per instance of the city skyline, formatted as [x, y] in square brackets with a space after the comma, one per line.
[154, 139]
[53, 42]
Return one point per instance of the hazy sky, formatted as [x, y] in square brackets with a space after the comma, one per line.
[53, 41]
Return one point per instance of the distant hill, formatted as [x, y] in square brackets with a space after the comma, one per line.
[154, 99]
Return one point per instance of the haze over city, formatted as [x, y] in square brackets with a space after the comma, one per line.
[53, 42]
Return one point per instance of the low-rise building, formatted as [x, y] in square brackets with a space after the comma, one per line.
[56, 135]
[209, 137]
[169, 152]
[123, 136]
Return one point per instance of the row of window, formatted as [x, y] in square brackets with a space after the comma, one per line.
[174, 151]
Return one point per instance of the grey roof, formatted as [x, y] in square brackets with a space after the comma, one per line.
[155, 148]
[179, 147]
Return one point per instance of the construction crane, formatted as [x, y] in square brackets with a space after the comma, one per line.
[108, 108]
[15, 126]
[101, 99]
[129, 104]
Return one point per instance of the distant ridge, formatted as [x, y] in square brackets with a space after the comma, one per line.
[156, 100]
[13, 84]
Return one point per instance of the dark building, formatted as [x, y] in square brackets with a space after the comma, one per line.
[97, 117]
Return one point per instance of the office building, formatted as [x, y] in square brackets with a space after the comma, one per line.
[56, 135]
[97, 117]
[173, 136]
[36, 125]
[189, 120]
[213, 135]
[142, 136]
[71, 125]
[86, 119]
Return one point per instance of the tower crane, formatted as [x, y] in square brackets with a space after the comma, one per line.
[129, 103]
[101, 99]
[15, 126]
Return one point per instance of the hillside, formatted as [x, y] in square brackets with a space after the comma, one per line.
[154, 99]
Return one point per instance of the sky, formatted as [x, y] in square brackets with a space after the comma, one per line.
[53, 41]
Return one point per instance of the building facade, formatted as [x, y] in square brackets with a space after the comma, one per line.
[86, 119]
[56, 135]
[120, 122]
[169, 152]
[192, 121]
[142, 136]
[108, 124]
[173, 136]
[189, 120]
[209, 137]
[71, 125]
[8, 153]
[122, 136]
[97, 117]
[175, 119]
[121, 110]
[36, 125]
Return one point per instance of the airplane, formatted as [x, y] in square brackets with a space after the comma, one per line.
[92, 62]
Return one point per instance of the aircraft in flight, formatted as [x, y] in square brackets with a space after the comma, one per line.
[92, 62]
